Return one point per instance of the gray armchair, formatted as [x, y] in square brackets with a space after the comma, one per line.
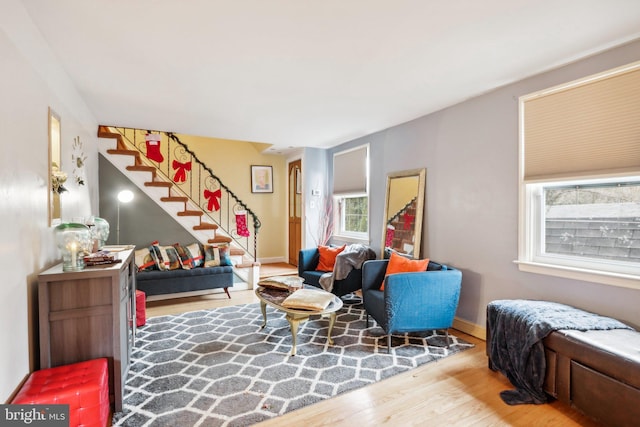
[411, 302]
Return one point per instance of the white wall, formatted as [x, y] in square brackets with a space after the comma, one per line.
[470, 151]
[29, 84]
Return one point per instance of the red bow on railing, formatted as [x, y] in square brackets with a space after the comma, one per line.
[214, 199]
[181, 171]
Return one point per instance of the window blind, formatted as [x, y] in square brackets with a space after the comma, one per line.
[586, 128]
[350, 171]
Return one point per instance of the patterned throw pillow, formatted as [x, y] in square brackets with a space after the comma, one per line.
[170, 258]
[186, 260]
[197, 257]
[144, 260]
[211, 256]
[156, 254]
[224, 250]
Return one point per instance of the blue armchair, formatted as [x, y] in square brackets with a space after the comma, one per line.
[411, 302]
[308, 260]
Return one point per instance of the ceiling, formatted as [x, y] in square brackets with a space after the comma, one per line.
[301, 73]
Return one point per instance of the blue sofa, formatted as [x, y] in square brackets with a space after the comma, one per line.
[411, 302]
[308, 260]
[155, 283]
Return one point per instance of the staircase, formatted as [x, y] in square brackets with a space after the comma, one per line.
[193, 195]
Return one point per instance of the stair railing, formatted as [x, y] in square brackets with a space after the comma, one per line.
[402, 210]
[179, 165]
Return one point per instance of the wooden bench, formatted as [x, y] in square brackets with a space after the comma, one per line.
[596, 372]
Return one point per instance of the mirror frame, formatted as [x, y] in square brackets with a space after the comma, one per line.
[417, 238]
[55, 155]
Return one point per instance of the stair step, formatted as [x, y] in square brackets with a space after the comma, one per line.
[139, 168]
[205, 226]
[233, 251]
[248, 264]
[124, 152]
[223, 239]
[174, 199]
[190, 213]
[104, 132]
[158, 184]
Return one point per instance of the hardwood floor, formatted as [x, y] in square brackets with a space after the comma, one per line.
[457, 391]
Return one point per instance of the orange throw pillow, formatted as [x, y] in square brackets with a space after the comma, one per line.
[400, 264]
[328, 257]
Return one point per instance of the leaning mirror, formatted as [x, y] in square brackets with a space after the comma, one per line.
[403, 210]
[56, 176]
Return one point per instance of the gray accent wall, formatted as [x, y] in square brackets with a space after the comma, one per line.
[141, 221]
[470, 151]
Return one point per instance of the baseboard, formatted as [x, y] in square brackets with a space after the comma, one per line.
[470, 328]
[271, 260]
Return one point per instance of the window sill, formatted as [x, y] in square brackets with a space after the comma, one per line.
[606, 278]
[350, 239]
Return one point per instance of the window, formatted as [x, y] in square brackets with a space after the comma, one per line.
[588, 224]
[353, 216]
[350, 192]
[580, 179]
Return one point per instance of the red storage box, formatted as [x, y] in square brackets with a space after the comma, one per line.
[84, 386]
[141, 308]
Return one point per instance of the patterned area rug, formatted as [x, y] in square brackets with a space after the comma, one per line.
[218, 368]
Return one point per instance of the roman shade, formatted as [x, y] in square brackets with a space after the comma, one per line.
[350, 171]
[590, 127]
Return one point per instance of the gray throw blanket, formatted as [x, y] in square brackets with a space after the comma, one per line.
[517, 328]
[352, 257]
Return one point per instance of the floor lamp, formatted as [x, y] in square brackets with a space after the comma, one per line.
[124, 196]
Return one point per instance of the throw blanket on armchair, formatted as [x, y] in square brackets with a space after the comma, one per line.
[517, 328]
[352, 257]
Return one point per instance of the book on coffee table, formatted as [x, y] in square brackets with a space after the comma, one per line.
[281, 282]
[308, 299]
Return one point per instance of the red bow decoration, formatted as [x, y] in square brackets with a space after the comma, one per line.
[214, 199]
[408, 220]
[181, 171]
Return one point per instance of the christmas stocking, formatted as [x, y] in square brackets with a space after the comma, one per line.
[391, 231]
[241, 223]
[153, 147]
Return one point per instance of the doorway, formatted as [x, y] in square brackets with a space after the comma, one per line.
[295, 210]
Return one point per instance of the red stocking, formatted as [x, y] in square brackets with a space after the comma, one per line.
[241, 223]
[153, 147]
[388, 241]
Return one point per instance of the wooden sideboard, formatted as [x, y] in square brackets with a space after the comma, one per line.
[89, 314]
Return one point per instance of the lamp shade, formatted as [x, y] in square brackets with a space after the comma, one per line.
[74, 241]
[125, 196]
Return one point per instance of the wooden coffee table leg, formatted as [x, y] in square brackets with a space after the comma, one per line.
[293, 323]
[263, 307]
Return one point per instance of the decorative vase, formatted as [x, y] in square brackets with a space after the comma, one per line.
[99, 232]
[74, 241]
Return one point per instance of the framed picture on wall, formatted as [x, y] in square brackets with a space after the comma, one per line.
[261, 179]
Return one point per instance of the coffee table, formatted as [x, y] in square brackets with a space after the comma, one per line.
[274, 298]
